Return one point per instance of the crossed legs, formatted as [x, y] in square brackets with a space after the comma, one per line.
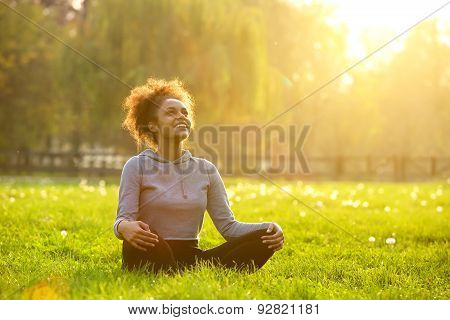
[244, 252]
[158, 258]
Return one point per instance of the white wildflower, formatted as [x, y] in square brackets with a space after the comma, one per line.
[333, 196]
[347, 203]
[308, 190]
[262, 189]
[83, 182]
[102, 192]
[390, 241]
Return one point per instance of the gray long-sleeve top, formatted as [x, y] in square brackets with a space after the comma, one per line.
[172, 196]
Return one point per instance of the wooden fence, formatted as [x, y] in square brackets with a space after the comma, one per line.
[396, 168]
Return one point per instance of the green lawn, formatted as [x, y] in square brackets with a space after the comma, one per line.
[318, 261]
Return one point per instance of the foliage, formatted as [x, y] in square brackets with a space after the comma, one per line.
[245, 61]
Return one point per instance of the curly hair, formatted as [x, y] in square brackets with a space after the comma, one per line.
[142, 104]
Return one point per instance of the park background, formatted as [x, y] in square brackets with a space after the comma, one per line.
[66, 66]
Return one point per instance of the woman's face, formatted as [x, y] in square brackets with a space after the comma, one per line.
[173, 120]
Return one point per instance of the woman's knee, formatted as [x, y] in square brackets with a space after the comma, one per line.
[254, 235]
[250, 252]
[155, 258]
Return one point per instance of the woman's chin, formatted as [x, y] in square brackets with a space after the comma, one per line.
[182, 136]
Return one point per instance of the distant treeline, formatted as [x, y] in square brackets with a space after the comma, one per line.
[245, 61]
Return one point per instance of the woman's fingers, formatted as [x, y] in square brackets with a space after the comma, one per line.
[147, 233]
[143, 225]
[277, 246]
[274, 241]
[137, 246]
[146, 238]
[273, 236]
[273, 246]
[143, 243]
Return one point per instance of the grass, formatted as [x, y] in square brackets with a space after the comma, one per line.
[318, 261]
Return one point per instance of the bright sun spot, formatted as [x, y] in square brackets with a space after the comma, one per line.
[372, 23]
[77, 4]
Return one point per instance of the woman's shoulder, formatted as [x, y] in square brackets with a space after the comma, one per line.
[205, 164]
[132, 165]
[202, 160]
[132, 161]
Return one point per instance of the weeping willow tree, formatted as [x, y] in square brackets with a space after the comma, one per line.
[241, 60]
[245, 61]
[26, 113]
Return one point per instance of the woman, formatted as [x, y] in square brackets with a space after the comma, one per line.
[164, 192]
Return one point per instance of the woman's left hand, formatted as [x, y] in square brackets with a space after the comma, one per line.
[276, 240]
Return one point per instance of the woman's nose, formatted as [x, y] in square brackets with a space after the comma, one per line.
[183, 116]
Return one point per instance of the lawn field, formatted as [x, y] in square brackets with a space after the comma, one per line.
[57, 242]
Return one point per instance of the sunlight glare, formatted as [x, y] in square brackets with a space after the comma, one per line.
[372, 23]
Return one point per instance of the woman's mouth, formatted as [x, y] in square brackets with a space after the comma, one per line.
[181, 125]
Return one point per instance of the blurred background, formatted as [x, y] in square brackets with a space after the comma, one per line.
[245, 62]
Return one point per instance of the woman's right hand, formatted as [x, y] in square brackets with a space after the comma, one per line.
[138, 234]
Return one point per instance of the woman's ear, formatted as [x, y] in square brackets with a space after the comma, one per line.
[152, 127]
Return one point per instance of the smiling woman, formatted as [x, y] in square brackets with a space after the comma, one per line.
[147, 103]
[164, 192]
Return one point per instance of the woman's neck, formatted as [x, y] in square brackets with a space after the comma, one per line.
[169, 150]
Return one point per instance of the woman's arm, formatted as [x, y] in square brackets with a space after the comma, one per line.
[137, 233]
[129, 190]
[219, 209]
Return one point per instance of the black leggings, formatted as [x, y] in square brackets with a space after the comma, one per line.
[246, 252]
